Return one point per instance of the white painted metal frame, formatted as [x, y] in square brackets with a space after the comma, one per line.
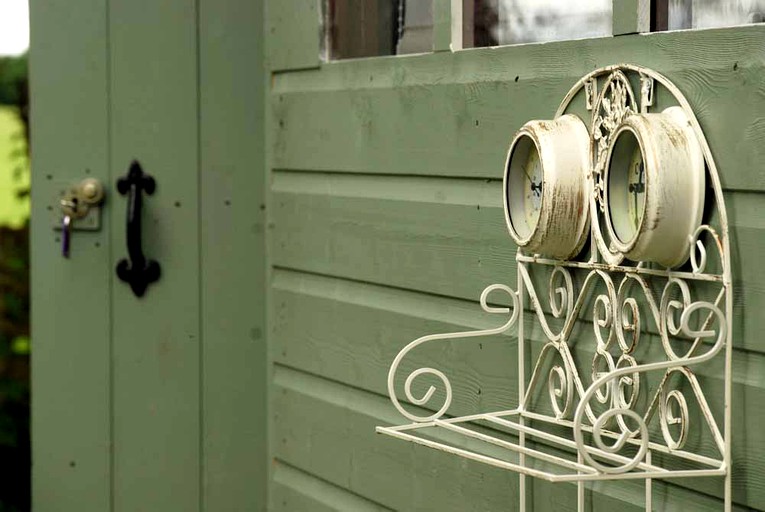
[608, 436]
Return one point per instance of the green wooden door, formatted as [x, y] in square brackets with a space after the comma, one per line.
[156, 403]
[386, 199]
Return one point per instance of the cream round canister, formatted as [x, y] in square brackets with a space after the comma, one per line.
[654, 187]
[545, 187]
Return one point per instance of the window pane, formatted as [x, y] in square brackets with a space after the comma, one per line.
[417, 31]
[367, 28]
[713, 13]
[527, 21]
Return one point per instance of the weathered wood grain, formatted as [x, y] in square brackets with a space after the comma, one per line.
[318, 420]
[454, 114]
[448, 236]
[296, 490]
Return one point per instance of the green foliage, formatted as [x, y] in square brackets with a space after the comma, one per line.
[14, 369]
[14, 311]
[13, 79]
[14, 92]
[14, 169]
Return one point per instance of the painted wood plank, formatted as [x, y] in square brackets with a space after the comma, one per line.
[350, 332]
[462, 24]
[631, 16]
[71, 307]
[156, 339]
[454, 114]
[448, 236]
[444, 237]
[363, 326]
[232, 216]
[442, 25]
[294, 32]
[297, 490]
[319, 420]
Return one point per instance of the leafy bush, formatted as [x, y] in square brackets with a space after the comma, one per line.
[14, 313]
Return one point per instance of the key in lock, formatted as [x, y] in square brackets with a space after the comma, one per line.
[76, 203]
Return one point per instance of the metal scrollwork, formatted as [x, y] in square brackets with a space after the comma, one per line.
[615, 102]
[561, 292]
[602, 321]
[559, 386]
[698, 251]
[673, 412]
[423, 400]
[627, 319]
[629, 385]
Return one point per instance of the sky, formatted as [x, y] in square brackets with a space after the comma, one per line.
[14, 27]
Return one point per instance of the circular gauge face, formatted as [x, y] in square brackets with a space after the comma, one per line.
[636, 189]
[532, 197]
[524, 186]
[626, 186]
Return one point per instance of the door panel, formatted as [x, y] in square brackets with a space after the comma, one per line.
[71, 304]
[232, 241]
[156, 340]
[157, 403]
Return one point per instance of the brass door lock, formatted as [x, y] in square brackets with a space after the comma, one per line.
[79, 209]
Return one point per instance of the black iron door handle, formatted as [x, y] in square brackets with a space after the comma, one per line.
[137, 271]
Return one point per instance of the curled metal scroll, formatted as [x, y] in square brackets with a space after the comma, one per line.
[642, 431]
[426, 397]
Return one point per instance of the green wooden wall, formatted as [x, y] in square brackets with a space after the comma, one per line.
[386, 223]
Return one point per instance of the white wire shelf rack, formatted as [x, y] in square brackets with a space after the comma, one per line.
[557, 461]
[630, 412]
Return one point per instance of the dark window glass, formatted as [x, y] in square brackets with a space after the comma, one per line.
[368, 28]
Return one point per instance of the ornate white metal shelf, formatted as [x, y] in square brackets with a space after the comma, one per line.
[627, 416]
